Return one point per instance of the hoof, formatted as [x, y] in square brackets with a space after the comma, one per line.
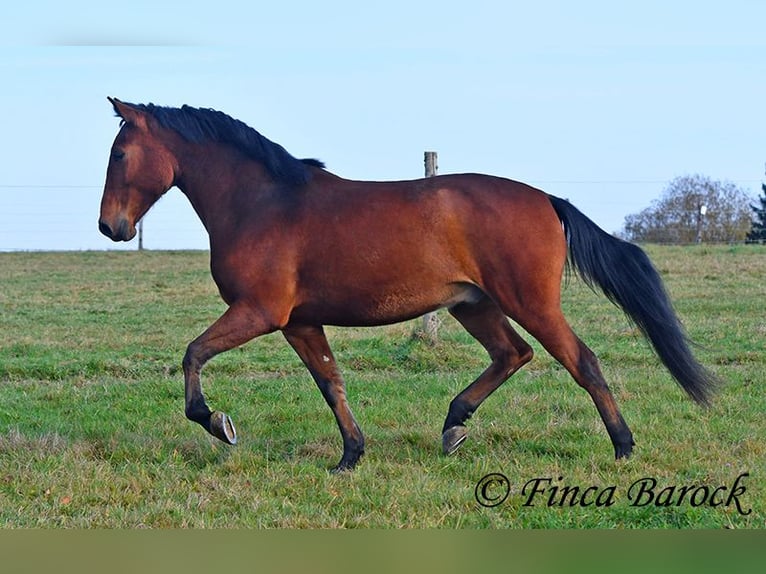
[623, 451]
[452, 438]
[222, 428]
[346, 464]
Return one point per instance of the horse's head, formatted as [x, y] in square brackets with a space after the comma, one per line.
[141, 169]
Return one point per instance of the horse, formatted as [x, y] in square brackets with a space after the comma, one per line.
[294, 247]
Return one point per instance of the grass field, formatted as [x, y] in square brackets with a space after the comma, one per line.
[92, 430]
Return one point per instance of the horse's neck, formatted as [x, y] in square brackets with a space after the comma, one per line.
[210, 178]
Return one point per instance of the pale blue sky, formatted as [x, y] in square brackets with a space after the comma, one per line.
[593, 101]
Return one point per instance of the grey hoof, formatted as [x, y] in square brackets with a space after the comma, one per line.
[222, 428]
[452, 438]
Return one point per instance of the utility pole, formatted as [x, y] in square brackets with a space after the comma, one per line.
[141, 234]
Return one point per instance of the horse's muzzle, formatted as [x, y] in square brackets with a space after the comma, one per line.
[122, 231]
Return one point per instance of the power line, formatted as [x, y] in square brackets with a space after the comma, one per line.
[49, 186]
[531, 180]
[622, 181]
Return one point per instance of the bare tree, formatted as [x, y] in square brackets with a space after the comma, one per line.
[693, 208]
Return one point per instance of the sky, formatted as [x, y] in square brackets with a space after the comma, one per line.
[598, 102]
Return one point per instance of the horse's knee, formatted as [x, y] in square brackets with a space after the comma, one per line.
[192, 361]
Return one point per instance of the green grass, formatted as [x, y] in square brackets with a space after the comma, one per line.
[92, 430]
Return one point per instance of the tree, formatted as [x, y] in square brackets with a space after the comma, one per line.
[693, 208]
[758, 228]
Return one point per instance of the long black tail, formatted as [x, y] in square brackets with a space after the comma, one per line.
[627, 277]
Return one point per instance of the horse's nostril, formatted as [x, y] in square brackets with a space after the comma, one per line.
[104, 228]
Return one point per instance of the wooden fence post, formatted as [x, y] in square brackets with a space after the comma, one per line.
[429, 159]
[431, 321]
[141, 234]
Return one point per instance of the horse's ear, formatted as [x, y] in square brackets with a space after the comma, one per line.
[127, 112]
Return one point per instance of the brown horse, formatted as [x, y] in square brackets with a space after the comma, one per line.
[294, 247]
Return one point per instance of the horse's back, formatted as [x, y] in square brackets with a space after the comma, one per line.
[475, 201]
[383, 252]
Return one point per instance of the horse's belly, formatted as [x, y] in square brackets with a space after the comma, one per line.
[349, 307]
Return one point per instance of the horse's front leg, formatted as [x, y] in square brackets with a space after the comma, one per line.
[235, 327]
[312, 347]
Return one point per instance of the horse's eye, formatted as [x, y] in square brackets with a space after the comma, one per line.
[118, 154]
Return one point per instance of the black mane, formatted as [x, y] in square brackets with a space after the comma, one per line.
[204, 124]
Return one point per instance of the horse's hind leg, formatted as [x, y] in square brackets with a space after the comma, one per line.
[509, 352]
[312, 347]
[555, 334]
